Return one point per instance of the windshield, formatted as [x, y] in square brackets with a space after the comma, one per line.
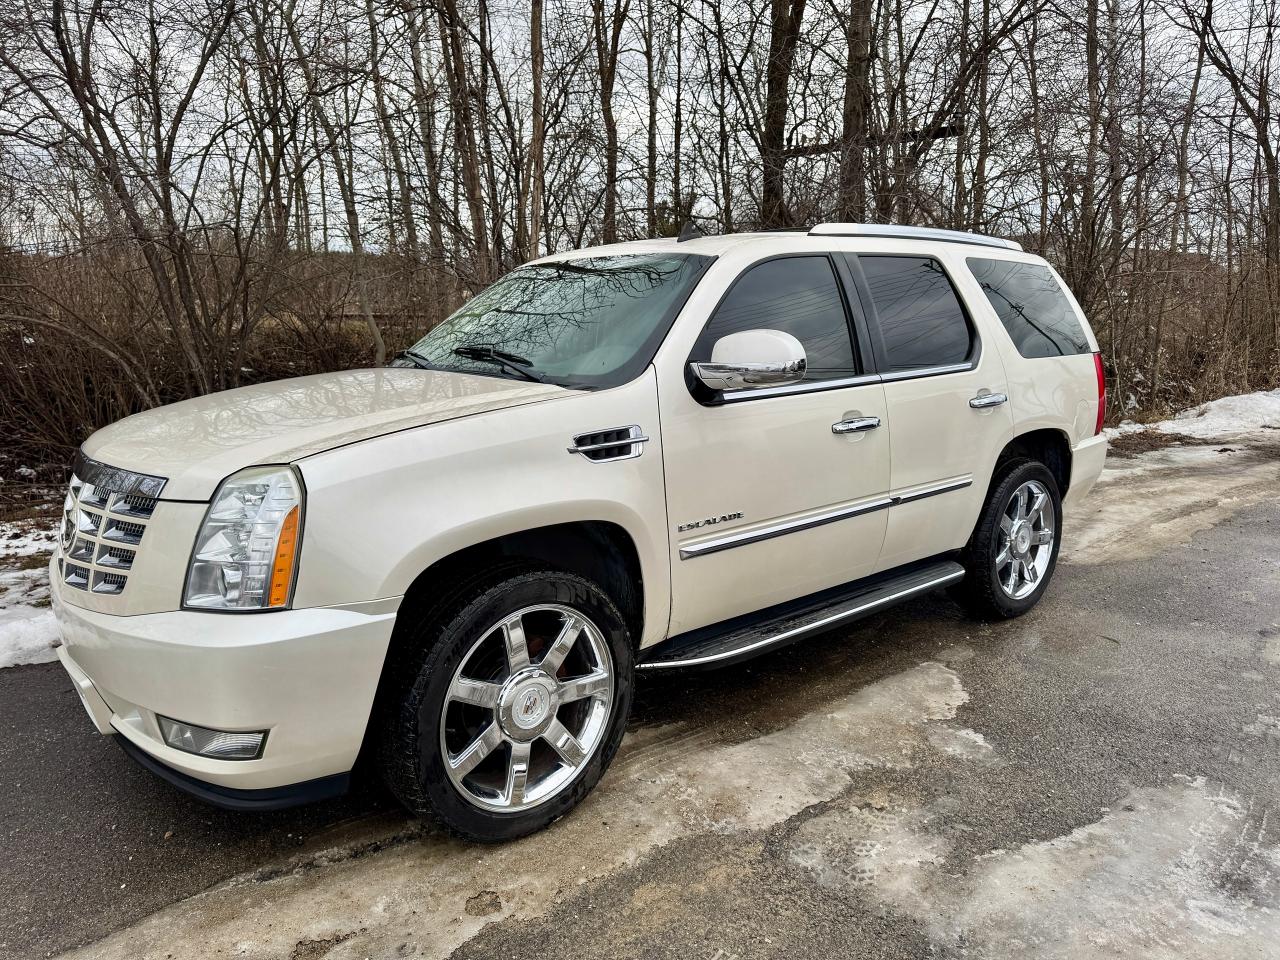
[589, 322]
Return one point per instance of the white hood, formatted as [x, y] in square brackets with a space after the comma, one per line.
[196, 443]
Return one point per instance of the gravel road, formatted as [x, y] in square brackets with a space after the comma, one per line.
[1097, 779]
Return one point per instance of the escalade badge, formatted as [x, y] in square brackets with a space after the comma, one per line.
[709, 522]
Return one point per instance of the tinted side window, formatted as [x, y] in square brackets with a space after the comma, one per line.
[922, 322]
[1030, 303]
[798, 295]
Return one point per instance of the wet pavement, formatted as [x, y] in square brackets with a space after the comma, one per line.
[1096, 779]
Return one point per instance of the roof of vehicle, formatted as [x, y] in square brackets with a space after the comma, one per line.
[716, 244]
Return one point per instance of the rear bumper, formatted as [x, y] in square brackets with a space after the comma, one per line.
[1087, 459]
[307, 677]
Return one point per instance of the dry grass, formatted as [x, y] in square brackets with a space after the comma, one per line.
[1132, 444]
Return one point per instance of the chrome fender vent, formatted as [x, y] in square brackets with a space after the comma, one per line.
[617, 443]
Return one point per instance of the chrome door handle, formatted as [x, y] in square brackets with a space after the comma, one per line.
[984, 400]
[855, 425]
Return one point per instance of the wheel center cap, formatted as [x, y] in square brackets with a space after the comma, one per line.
[527, 704]
[1022, 539]
[531, 707]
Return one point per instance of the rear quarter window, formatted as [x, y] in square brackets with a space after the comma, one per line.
[1029, 301]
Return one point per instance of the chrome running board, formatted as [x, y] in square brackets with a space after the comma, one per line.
[746, 637]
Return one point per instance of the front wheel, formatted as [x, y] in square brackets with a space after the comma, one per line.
[1011, 556]
[516, 710]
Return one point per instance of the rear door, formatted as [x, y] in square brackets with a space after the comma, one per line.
[943, 395]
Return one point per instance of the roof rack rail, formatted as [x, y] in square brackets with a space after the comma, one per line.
[909, 233]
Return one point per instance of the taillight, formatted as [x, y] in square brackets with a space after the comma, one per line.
[1102, 392]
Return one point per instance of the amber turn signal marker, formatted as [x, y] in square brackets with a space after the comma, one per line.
[282, 567]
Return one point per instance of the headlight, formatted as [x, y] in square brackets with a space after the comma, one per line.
[247, 547]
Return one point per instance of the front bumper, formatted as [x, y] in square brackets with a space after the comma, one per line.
[308, 677]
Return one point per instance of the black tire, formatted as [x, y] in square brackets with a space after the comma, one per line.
[410, 751]
[980, 592]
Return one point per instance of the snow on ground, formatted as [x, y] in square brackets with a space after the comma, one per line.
[27, 628]
[22, 538]
[1249, 413]
[27, 635]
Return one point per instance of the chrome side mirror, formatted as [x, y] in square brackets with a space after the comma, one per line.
[753, 359]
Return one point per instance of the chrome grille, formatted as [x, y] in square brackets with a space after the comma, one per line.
[104, 525]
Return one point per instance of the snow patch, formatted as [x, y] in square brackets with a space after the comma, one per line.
[27, 635]
[23, 538]
[1225, 417]
[28, 631]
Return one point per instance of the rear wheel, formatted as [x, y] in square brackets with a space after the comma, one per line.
[516, 709]
[1014, 549]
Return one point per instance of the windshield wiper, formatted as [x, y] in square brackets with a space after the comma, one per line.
[417, 359]
[490, 354]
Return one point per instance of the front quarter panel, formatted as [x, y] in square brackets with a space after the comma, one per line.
[380, 512]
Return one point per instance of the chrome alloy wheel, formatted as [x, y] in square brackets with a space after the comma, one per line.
[527, 707]
[1027, 528]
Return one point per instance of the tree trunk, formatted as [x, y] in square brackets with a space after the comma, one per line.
[607, 31]
[464, 124]
[785, 19]
[536, 173]
[856, 118]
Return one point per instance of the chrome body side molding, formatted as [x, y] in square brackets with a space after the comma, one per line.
[944, 486]
[729, 541]
[795, 525]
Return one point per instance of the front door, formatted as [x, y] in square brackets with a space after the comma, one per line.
[773, 493]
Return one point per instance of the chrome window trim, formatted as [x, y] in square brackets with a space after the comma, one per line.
[730, 540]
[814, 386]
[895, 375]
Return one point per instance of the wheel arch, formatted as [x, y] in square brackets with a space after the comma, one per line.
[1049, 446]
[598, 550]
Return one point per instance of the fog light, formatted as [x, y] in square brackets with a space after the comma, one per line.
[218, 744]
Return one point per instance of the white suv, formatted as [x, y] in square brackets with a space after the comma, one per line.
[647, 456]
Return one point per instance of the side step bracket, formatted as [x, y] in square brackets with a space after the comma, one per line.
[745, 637]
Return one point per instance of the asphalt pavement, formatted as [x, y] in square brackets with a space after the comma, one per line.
[1097, 779]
